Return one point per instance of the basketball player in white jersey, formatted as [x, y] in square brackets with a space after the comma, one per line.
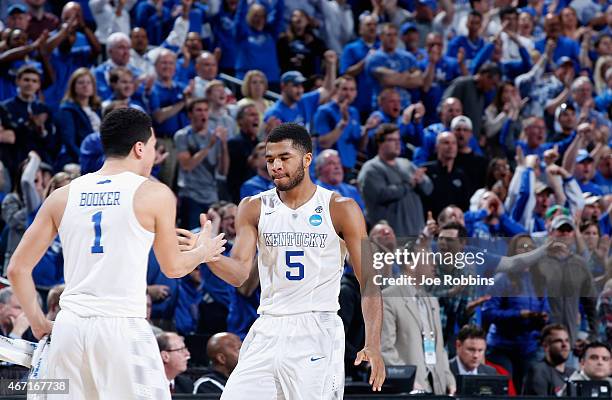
[107, 222]
[295, 349]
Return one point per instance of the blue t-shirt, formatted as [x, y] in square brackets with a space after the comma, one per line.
[64, 64]
[591, 187]
[399, 61]
[446, 70]
[470, 48]
[351, 55]
[255, 185]
[223, 29]
[164, 308]
[605, 184]
[242, 312]
[162, 96]
[566, 47]
[344, 190]
[301, 112]
[326, 118]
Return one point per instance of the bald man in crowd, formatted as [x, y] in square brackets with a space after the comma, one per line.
[222, 351]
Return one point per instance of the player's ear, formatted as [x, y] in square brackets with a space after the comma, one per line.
[307, 160]
[138, 149]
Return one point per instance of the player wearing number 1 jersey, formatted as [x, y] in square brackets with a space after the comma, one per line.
[295, 350]
[107, 222]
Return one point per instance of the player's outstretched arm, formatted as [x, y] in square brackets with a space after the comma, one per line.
[349, 222]
[33, 245]
[235, 270]
[156, 210]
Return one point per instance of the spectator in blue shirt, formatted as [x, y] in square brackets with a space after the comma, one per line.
[167, 101]
[535, 137]
[471, 43]
[155, 17]
[493, 51]
[223, 28]
[393, 67]
[584, 171]
[256, 39]
[70, 54]
[297, 106]
[261, 181]
[410, 37]
[438, 72]
[330, 175]
[337, 123]
[353, 59]
[79, 116]
[409, 121]
[582, 97]
[118, 48]
[603, 175]
[450, 108]
[564, 47]
[30, 119]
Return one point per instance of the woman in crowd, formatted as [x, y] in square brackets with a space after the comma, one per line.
[256, 39]
[79, 115]
[253, 89]
[503, 113]
[515, 315]
[299, 48]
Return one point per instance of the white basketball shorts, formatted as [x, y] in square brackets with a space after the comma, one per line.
[294, 357]
[106, 358]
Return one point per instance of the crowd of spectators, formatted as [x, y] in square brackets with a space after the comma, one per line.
[463, 125]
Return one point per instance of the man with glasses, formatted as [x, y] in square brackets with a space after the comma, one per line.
[175, 355]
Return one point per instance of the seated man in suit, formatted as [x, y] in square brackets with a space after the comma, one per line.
[175, 355]
[471, 347]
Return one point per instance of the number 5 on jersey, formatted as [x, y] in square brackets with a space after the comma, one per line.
[97, 247]
[296, 272]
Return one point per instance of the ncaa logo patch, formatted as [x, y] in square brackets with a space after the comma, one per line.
[315, 220]
[319, 209]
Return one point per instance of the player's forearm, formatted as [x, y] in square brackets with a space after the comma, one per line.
[23, 287]
[230, 270]
[371, 307]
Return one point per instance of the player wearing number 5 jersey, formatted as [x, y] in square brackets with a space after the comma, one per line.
[295, 350]
[107, 222]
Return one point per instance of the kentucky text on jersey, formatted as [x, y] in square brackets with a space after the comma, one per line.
[297, 239]
[100, 199]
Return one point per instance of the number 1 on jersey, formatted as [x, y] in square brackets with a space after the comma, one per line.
[97, 221]
[300, 267]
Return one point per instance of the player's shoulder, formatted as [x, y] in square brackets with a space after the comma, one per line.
[343, 206]
[154, 192]
[249, 209]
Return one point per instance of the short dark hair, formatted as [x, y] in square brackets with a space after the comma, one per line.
[594, 345]
[490, 68]
[193, 102]
[297, 134]
[384, 130]
[461, 231]
[28, 69]
[475, 13]
[548, 329]
[471, 332]
[507, 10]
[122, 128]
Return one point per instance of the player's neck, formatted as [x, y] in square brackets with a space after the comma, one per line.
[299, 195]
[114, 166]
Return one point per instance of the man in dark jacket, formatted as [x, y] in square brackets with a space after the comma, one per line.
[222, 351]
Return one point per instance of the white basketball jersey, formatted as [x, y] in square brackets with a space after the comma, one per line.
[300, 256]
[105, 248]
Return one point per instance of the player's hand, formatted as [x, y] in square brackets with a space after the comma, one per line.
[186, 239]
[212, 246]
[377, 377]
[41, 330]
